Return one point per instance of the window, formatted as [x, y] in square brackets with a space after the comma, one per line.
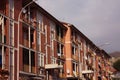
[32, 43]
[0, 57]
[25, 60]
[60, 49]
[11, 8]
[41, 60]
[52, 25]
[59, 34]
[12, 33]
[53, 60]
[28, 61]
[2, 5]
[0, 34]
[73, 65]
[40, 20]
[25, 36]
[38, 38]
[74, 49]
[32, 62]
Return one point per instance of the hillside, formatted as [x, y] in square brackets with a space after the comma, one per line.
[115, 54]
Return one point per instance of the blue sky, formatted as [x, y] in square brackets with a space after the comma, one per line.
[99, 20]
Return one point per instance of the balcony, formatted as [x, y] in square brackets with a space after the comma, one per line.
[75, 57]
[53, 66]
[61, 56]
[41, 70]
[90, 53]
[75, 74]
[33, 69]
[60, 39]
[62, 75]
[87, 72]
[109, 63]
[26, 68]
[78, 41]
[89, 62]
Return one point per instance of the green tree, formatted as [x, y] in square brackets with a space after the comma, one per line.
[116, 65]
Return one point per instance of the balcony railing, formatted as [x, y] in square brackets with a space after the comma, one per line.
[61, 56]
[53, 66]
[90, 52]
[26, 68]
[60, 39]
[75, 74]
[75, 57]
[33, 69]
[62, 75]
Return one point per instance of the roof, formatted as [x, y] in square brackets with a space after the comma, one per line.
[44, 12]
[87, 39]
[48, 15]
[79, 32]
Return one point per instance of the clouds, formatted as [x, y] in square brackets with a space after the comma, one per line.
[99, 20]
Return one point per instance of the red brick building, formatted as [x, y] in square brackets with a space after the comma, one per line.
[34, 45]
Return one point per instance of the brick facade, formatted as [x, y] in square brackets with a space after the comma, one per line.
[39, 47]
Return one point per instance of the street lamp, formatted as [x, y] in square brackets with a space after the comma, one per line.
[94, 50]
[19, 15]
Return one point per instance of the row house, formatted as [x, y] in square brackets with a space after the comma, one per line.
[80, 61]
[82, 57]
[34, 45]
[103, 65]
[31, 42]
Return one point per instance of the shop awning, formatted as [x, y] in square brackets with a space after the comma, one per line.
[87, 72]
[53, 66]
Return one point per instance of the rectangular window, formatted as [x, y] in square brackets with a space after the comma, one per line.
[73, 65]
[0, 34]
[25, 60]
[2, 6]
[38, 38]
[74, 50]
[60, 49]
[11, 8]
[25, 36]
[28, 61]
[53, 60]
[0, 56]
[41, 60]
[32, 43]
[12, 33]
[32, 62]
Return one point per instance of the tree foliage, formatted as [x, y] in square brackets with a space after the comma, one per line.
[116, 65]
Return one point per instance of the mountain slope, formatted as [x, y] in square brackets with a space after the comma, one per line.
[115, 54]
